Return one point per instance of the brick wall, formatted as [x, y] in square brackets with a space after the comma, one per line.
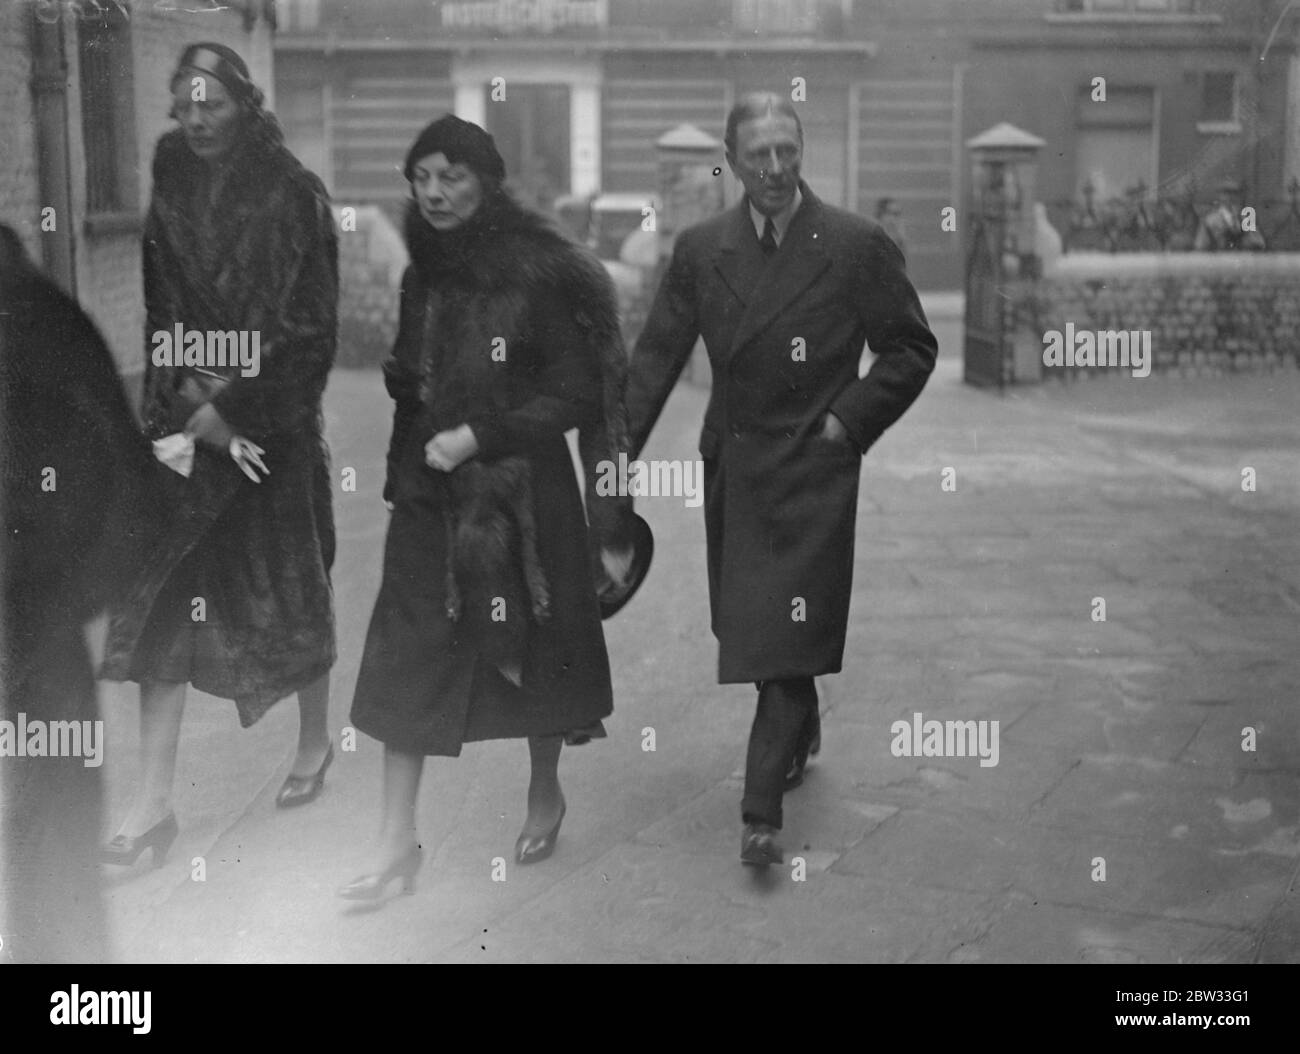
[1208, 313]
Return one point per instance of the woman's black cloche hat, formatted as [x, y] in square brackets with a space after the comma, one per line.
[462, 142]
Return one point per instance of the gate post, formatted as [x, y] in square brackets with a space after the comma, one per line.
[1000, 259]
[688, 192]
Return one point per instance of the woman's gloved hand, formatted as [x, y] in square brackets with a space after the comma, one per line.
[449, 450]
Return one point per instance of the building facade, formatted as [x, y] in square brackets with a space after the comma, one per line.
[577, 91]
[1167, 97]
[83, 97]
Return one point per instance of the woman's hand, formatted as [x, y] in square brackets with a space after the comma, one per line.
[209, 428]
[448, 450]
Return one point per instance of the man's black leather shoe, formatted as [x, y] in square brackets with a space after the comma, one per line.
[758, 846]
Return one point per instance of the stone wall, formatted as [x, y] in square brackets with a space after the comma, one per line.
[1208, 313]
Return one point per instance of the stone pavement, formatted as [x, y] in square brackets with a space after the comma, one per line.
[1119, 739]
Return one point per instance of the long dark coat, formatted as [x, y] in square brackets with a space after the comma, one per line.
[75, 514]
[255, 252]
[785, 339]
[424, 685]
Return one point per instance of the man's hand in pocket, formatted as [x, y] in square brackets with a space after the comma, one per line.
[834, 430]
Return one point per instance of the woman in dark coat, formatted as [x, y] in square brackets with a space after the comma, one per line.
[236, 599]
[508, 337]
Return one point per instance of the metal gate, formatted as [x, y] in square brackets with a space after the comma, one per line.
[987, 355]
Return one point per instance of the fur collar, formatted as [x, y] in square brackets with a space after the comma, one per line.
[506, 245]
[258, 161]
[506, 248]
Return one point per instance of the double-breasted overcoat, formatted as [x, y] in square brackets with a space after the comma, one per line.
[785, 338]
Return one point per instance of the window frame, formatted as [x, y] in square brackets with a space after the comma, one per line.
[109, 29]
[1230, 126]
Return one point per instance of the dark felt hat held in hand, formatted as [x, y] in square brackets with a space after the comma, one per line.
[609, 594]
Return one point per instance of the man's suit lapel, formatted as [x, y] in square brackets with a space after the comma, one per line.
[739, 258]
[766, 288]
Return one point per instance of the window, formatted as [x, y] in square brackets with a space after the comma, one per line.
[1115, 141]
[299, 16]
[107, 114]
[1218, 99]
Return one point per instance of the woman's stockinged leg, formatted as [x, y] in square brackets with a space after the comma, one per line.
[162, 706]
[544, 797]
[398, 832]
[398, 854]
[313, 726]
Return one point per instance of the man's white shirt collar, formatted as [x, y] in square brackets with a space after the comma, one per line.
[780, 221]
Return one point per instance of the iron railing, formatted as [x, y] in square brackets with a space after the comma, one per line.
[1142, 221]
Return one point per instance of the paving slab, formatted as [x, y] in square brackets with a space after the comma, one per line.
[643, 904]
[992, 856]
[1029, 932]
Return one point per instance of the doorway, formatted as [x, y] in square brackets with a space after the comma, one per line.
[532, 132]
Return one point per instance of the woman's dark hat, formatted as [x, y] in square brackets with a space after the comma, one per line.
[611, 596]
[462, 142]
[218, 61]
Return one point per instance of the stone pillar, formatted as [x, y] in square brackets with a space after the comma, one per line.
[584, 141]
[999, 343]
[688, 193]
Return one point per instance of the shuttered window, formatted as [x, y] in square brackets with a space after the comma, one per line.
[104, 55]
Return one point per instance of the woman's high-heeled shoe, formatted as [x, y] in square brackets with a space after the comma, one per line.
[372, 886]
[299, 790]
[124, 850]
[532, 849]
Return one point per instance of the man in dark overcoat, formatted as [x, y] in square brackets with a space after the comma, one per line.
[784, 290]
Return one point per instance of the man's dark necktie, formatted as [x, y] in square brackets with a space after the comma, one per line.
[768, 241]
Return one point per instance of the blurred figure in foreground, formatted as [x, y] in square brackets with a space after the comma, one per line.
[74, 518]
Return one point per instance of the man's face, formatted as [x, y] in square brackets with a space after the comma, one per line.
[767, 159]
[211, 124]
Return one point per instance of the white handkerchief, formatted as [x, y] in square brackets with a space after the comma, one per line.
[176, 451]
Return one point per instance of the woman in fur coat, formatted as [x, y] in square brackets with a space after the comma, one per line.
[487, 624]
[236, 597]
